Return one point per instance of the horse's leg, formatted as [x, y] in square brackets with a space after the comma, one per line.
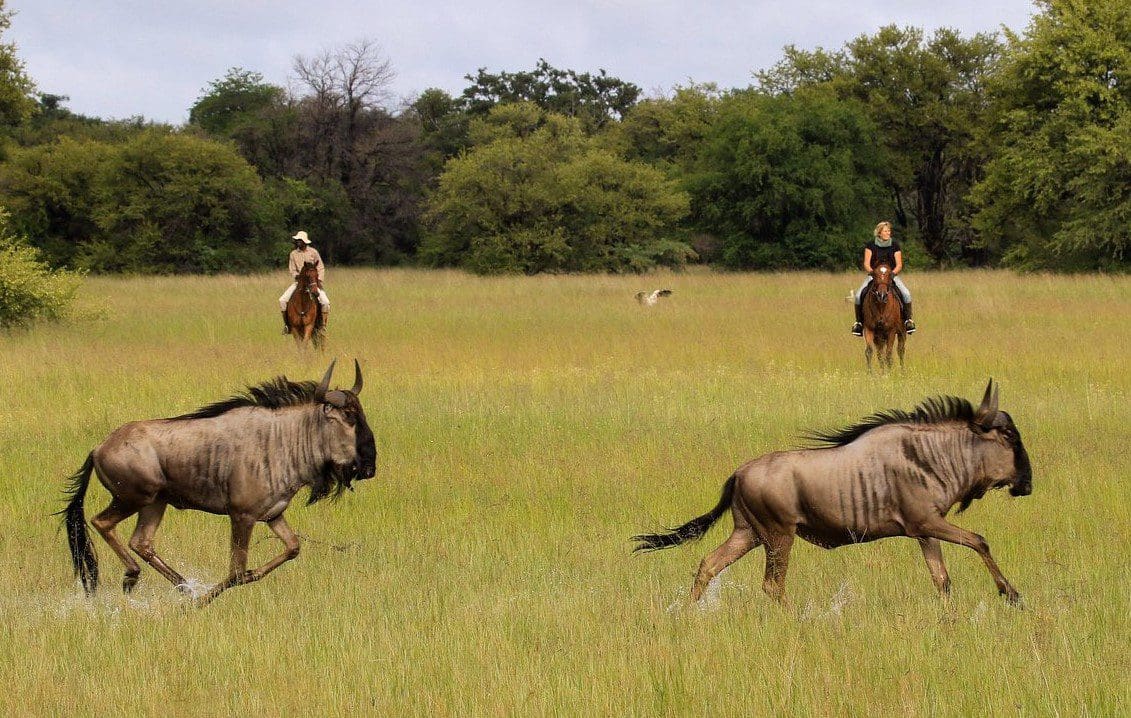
[777, 561]
[945, 531]
[902, 340]
[242, 524]
[148, 519]
[869, 346]
[932, 553]
[735, 547]
[104, 523]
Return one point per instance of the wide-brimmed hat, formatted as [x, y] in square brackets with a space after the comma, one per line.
[301, 234]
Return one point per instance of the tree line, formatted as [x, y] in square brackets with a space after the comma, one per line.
[1010, 149]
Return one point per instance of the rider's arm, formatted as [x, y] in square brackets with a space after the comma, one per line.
[898, 264]
[867, 260]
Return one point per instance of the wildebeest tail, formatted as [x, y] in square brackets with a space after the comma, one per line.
[693, 530]
[82, 550]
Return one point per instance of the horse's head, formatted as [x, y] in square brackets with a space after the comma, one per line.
[881, 282]
[308, 275]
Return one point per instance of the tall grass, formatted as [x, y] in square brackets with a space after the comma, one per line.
[525, 428]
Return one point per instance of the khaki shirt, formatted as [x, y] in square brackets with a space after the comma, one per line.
[301, 256]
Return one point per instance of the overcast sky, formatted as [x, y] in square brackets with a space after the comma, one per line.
[117, 59]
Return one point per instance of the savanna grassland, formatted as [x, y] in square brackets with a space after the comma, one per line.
[526, 427]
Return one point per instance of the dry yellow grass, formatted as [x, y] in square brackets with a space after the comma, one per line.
[526, 427]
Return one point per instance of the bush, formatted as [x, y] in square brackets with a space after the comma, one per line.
[29, 289]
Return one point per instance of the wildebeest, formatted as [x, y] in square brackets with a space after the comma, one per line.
[246, 457]
[894, 473]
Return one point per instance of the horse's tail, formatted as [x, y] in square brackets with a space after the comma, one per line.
[82, 550]
[693, 530]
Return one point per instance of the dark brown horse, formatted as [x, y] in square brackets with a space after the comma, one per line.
[245, 457]
[895, 473]
[304, 313]
[882, 310]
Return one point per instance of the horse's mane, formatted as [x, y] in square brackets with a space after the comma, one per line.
[272, 394]
[936, 410]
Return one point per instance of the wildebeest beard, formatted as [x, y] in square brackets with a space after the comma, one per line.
[333, 481]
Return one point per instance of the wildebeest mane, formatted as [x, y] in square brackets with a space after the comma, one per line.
[272, 394]
[936, 410]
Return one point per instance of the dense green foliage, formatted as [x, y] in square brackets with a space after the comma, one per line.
[927, 97]
[982, 151]
[788, 182]
[29, 289]
[157, 202]
[1057, 192]
[535, 194]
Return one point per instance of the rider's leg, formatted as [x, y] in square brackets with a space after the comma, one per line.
[858, 327]
[908, 324]
[283, 306]
[324, 301]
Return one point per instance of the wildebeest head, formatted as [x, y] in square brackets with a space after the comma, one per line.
[1004, 457]
[349, 439]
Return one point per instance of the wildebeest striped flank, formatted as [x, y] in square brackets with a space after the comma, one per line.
[246, 457]
[895, 473]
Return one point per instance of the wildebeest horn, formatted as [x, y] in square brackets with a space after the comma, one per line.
[320, 392]
[988, 410]
[357, 381]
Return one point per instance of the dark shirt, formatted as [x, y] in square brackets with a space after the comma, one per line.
[883, 255]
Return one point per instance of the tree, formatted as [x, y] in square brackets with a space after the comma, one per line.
[349, 143]
[535, 194]
[593, 99]
[668, 131]
[788, 181]
[928, 97]
[235, 99]
[158, 202]
[17, 102]
[1057, 192]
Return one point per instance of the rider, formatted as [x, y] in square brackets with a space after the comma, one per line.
[883, 250]
[301, 254]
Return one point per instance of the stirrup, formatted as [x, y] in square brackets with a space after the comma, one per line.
[286, 329]
[909, 326]
[857, 329]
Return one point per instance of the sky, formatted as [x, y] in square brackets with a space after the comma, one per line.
[154, 58]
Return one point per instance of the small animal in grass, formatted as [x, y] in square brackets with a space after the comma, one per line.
[895, 473]
[648, 299]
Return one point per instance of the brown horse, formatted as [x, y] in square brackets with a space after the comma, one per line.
[882, 310]
[304, 313]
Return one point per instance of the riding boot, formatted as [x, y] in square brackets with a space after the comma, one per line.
[908, 324]
[858, 327]
[286, 323]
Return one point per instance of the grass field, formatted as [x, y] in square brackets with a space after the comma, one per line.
[526, 427]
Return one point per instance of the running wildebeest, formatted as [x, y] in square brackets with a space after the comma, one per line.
[895, 473]
[246, 457]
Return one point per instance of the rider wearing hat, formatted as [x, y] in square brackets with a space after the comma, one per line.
[301, 254]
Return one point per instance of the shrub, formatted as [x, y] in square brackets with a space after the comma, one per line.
[29, 289]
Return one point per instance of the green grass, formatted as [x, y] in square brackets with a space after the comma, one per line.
[526, 427]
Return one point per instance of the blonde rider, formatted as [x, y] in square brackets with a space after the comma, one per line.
[301, 254]
[883, 250]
